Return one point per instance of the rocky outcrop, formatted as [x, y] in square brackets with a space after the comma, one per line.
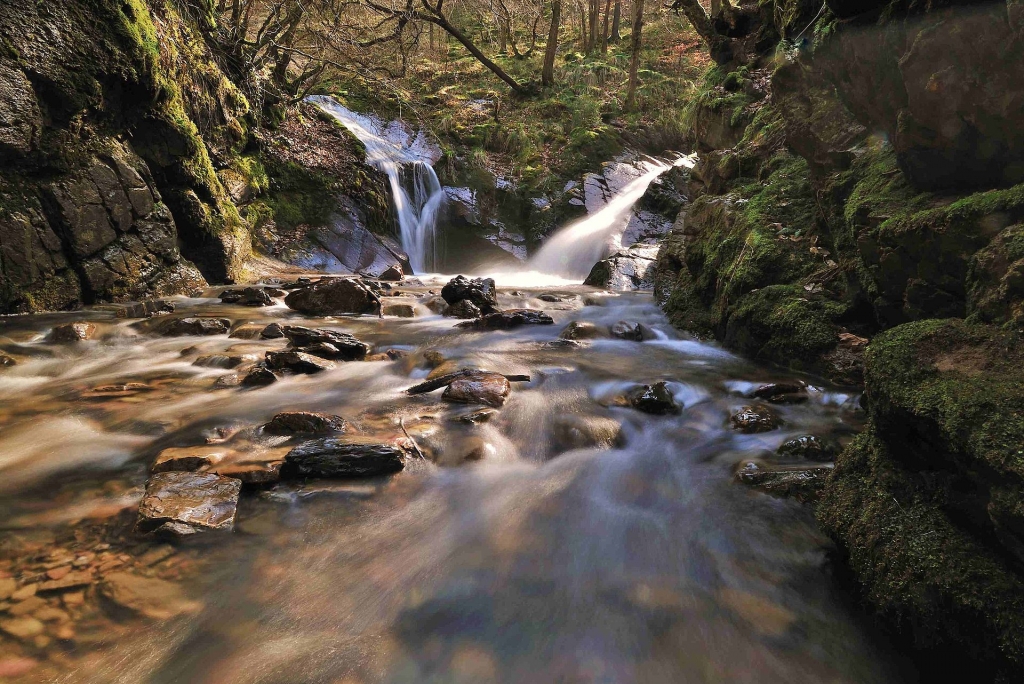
[105, 173]
[926, 505]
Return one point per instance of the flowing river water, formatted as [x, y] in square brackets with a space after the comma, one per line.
[537, 561]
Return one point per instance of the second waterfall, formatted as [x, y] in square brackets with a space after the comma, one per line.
[416, 193]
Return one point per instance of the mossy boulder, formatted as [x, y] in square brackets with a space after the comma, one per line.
[928, 504]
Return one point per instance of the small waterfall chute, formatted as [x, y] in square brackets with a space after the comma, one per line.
[416, 192]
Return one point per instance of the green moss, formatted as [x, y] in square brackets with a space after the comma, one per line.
[952, 383]
[920, 570]
[784, 324]
[299, 196]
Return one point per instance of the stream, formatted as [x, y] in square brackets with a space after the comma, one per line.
[539, 561]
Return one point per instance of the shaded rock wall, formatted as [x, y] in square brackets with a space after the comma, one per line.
[865, 184]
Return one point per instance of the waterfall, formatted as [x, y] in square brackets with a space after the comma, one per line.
[572, 251]
[416, 193]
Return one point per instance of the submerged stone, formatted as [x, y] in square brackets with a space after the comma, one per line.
[655, 399]
[810, 448]
[805, 484]
[583, 330]
[586, 432]
[297, 362]
[149, 597]
[754, 419]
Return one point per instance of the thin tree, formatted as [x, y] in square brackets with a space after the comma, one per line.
[604, 30]
[616, 16]
[634, 60]
[547, 75]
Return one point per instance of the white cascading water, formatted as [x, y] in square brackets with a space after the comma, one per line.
[416, 192]
[568, 255]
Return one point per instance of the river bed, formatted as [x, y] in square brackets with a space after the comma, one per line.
[643, 561]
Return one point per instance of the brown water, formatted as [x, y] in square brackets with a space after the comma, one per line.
[645, 563]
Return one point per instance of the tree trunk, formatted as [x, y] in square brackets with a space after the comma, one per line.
[438, 18]
[615, 38]
[584, 47]
[634, 60]
[547, 76]
[604, 31]
[595, 9]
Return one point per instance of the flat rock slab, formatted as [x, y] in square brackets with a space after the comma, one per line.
[195, 326]
[512, 318]
[297, 362]
[327, 344]
[184, 503]
[149, 597]
[334, 297]
[333, 457]
[489, 389]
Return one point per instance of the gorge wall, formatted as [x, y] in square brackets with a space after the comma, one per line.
[858, 212]
[132, 165]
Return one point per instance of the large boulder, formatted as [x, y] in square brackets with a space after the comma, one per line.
[182, 504]
[343, 458]
[480, 291]
[630, 269]
[490, 389]
[334, 297]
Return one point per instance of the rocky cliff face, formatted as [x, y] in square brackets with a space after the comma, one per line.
[861, 183]
[129, 161]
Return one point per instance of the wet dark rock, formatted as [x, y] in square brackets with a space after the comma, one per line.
[305, 423]
[228, 381]
[563, 344]
[809, 448]
[805, 485]
[629, 330]
[328, 344]
[548, 297]
[393, 272]
[343, 458]
[259, 376]
[196, 326]
[583, 330]
[73, 332]
[754, 419]
[631, 269]
[7, 361]
[334, 297]
[782, 392]
[146, 309]
[481, 291]
[297, 362]
[512, 318]
[251, 473]
[273, 331]
[400, 310]
[189, 501]
[444, 378]
[490, 389]
[250, 296]
[462, 309]
[296, 284]
[655, 399]
[275, 292]
[586, 432]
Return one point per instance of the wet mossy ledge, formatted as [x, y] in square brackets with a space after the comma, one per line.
[926, 504]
